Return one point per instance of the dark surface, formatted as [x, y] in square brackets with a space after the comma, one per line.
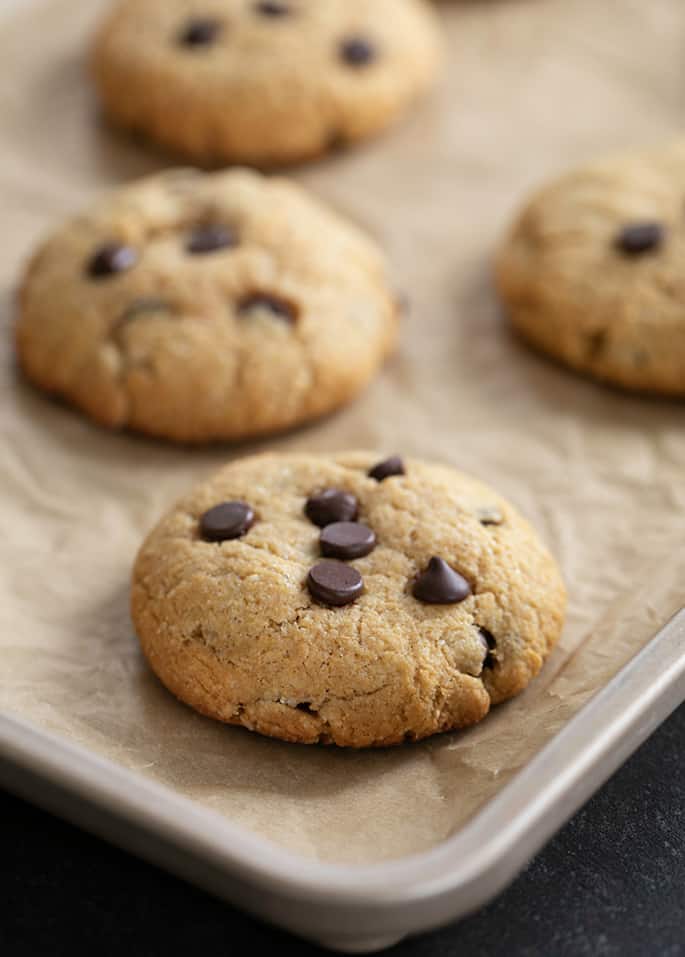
[612, 883]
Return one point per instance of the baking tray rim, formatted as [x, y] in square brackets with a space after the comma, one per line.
[537, 800]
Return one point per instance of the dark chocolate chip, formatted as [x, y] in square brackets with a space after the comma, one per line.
[490, 644]
[387, 468]
[438, 584]
[272, 8]
[334, 583]
[490, 516]
[200, 32]
[306, 706]
[357, 52]
[210, 239]
[347, 540]
[331, 505]
[226, 521]
[111, 259]
[273, 304]
[637, 238]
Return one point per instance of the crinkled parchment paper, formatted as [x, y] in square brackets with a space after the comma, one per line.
[531, 86]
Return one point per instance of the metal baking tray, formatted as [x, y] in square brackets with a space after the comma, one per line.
[358, 909]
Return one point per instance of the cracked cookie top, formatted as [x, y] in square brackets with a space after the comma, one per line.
[263, 83]
[317, 598]
[201, 306]
[591, 271]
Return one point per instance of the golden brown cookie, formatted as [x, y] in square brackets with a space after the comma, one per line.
[336, 599]
[200, 307]
[591, 272]
[263, 82]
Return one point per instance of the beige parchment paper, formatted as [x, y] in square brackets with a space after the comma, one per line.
[531, 87]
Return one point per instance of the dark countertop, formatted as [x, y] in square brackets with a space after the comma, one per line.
[611, 884]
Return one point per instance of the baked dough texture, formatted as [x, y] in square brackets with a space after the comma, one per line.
[223, 81]
[592, 271]
[200, 307]
[231, 628]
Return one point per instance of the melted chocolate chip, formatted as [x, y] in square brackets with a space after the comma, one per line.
[637, 238]
[279, 308]
[111, 259]
[357, 52]
[438, 584]
[200, 32]
[210, 239]
[347, 540]
[490, 645]
[335, 584]
[226, 521]
[331, 505]
[387, 468]
[272, 8]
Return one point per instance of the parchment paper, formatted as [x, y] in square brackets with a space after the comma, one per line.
[531, 86]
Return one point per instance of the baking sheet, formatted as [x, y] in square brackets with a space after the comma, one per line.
[531, 86]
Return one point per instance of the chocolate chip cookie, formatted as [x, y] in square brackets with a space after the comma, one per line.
[263, 82]
[592, 271]
[343, 600]
[199, 306]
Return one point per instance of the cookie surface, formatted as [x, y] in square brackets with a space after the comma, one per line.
[263, 82]
[592, 271]
[198, 307]
[452, 604]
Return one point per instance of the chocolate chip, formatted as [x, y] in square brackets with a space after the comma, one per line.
[387, 468]
[210, 239]
[439, 584]
[357, 52]
[226, 521]
[347, 540]
[490, 516]
[272, 304]
[200, 32]
[333, 583]
[306, 706]
[637, 238]
[110, 259]
[331, 505]
[272, 8]
[490, 645]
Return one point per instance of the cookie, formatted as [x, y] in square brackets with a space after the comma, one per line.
[199, 307]
[315, 599]
[263, 82]
[592, 271]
